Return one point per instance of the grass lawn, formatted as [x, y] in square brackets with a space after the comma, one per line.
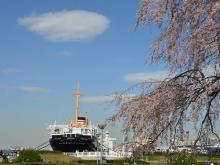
[58, 158]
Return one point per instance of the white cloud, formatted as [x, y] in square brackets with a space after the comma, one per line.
[66, 53]
[105, 99]
[148, 76]
[65, 25]
[34, 89]
[211, 70]
[9, 71]
[97, 99]
[162, 75]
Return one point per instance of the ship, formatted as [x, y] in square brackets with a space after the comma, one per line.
[79, 135]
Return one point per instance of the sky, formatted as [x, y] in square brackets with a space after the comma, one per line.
[47, 46]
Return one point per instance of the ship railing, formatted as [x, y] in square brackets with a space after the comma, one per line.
[60, 126]
[70, 133]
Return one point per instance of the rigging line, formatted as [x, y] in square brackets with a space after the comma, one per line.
[41, 145]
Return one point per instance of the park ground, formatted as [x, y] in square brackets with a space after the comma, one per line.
[52, 158]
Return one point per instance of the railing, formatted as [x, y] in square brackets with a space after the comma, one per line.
[96, 155]
[65, 130]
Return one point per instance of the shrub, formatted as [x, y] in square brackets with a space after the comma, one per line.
[28, 156]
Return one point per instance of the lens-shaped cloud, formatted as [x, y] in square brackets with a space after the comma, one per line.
[64, 26]
[148, 76]
[34, 89]
[97, 99]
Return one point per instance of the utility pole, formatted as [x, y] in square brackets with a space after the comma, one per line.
[102, 127]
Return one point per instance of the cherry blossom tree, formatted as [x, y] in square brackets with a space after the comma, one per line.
[189, 45]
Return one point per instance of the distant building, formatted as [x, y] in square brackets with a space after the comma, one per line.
[1, 159]
[109, 142]
[8, 155]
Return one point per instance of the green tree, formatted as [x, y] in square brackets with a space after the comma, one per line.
[28, 156]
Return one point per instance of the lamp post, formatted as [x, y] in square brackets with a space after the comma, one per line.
[102, 127]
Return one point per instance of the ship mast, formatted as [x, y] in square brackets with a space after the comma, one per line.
[76, 94]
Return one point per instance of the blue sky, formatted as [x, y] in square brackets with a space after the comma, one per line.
[46, 47]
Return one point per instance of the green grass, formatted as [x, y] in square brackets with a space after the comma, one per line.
[161, 158]
[58, 158]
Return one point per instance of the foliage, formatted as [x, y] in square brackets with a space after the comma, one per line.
[189, 43]
[49, 152]
[28, 156]
[190, 33]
